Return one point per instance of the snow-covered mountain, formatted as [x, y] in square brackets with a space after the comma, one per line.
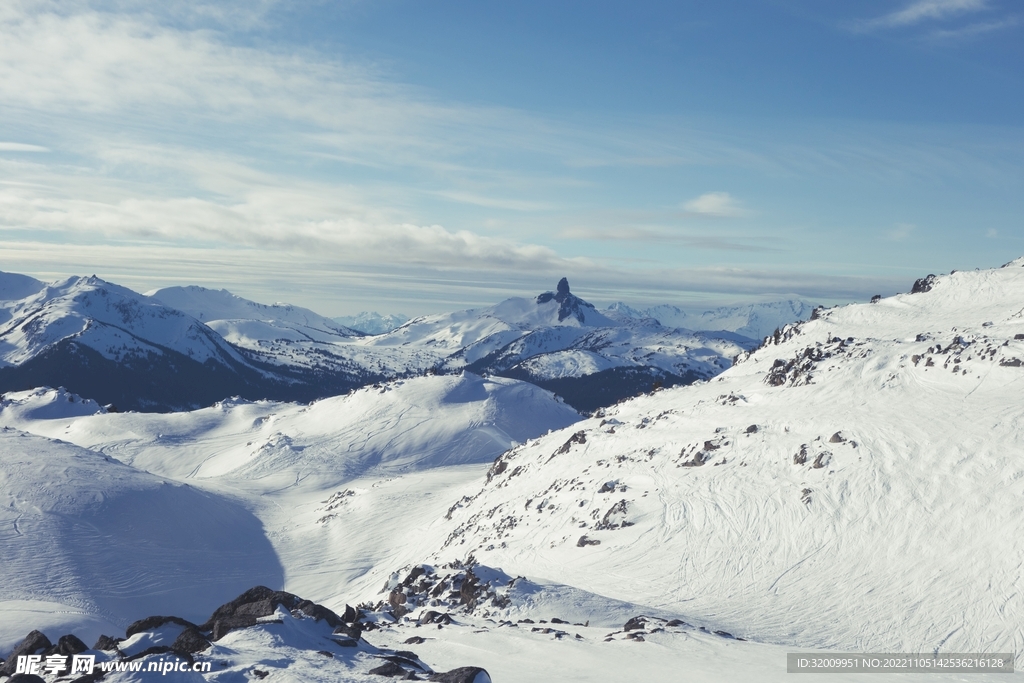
[852, 485]
[751, 320]
[213, 306]
[184, 347]
[855, 484]
[116, 346]
[563, 343]
[372, 322]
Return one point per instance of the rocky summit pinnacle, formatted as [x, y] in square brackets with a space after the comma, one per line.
[570, 305]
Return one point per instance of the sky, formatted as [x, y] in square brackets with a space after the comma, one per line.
[414, 157]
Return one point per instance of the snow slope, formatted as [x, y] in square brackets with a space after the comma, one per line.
[388, 454]
[855, 484]
[107, 541]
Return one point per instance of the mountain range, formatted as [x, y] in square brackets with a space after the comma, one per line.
[186, 347]
[852, 484]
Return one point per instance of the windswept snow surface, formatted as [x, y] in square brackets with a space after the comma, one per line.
[856, 484]
[344, 487]
[103, 541]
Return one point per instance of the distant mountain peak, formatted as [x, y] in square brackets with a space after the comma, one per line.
[570, 305]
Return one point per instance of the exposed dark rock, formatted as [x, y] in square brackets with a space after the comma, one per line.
[33, 644]
[607, 487]
[579, 437]
[250, 606]
[876, 298]
[260, 673]
[821, 460]
[319, 612]
[90, 678]
[68, 645]
[584, 541]
[389, 669]
[923, 284]
[801, 457]
[1018, 336]
[354, 630]
[724, 634]
[325, 653]
[190, 640]
[836, 438]
[615, 517]
[106, 643]
[351, 614]
[465, 674]
[635, 623]
[415, 640]
[25, 678]
[150, 623]
[752, 429]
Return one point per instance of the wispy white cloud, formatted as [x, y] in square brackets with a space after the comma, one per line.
[332, 287]
[21, 147]
[716, 204]
[975, 29]
[926, 10]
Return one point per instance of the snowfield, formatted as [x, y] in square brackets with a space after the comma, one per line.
[855, 484]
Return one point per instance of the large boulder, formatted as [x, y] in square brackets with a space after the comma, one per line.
[35, 643]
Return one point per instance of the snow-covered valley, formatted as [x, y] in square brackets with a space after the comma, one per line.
[854, 484]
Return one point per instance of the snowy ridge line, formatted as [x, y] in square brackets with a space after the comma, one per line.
[180, 348]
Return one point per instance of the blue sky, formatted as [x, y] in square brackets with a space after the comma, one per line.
[416, 157]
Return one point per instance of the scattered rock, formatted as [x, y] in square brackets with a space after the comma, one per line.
[635, 623]
[465, 674]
